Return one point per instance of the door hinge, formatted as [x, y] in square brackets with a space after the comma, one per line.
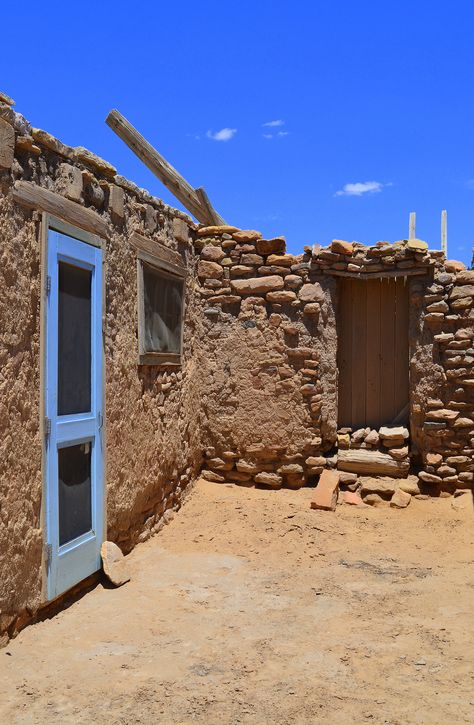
[48, 555]
[47, 285]
[47, 429]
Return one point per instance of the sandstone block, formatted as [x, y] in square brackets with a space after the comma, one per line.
[215, 230]
[211, 253]
[180, 230]
[246, 235]
[212, 476]
[465, 277]
[326, 492]
[271, 480]
[311, 292]
[417, 245]
[271, 246]
[383, 486]
[315, 461]
[4, 98]
[352, 498]
[209, 270]
[339, 246]
[246, 467]
[409, 485]
[50, 142]
[90, 159]
[293, 281]
[312, 309]
[252, 259]
[429, 477]
[256, 285]
[400, 499]
[69, 182]
[443, 415]
[463, 290]
[116, 202]
[281, 296]
[114, 564]
[393, 433]
[283, 260]
[7, 144]
[434, 459]
[290, 468]
[372, 438]
[399, 453]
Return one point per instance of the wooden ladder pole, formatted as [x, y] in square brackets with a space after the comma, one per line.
[412, 225]
[167, 174]
[444, 232]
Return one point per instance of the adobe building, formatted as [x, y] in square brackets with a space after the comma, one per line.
[140, 350]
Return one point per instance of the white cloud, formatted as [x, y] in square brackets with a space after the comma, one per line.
[361, 187]
[225, 134]
[273, 124]
[279, 134]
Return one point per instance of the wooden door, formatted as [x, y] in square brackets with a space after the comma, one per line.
[74, 486]
[373, 352]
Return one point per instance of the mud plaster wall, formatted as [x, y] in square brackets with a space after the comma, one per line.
[153, 446]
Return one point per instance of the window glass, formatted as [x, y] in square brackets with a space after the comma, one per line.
[163, 299]
[74, 481]
[74, 339]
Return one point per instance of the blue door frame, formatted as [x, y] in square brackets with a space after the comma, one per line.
[70, 559]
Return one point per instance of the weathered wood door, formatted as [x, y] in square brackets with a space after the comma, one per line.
[373, 352]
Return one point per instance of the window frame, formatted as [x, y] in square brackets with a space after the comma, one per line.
[172, 271]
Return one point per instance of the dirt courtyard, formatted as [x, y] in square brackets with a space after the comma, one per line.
[251, 608]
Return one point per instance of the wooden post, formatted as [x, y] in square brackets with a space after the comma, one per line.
[178, 185]
[444, 232]
[412, 225]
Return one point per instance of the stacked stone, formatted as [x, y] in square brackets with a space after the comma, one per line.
[28, 153]
[352, 258]
[264, 467]
[391, 440]
[448, 419]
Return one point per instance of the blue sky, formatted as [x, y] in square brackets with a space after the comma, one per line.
[377, 94]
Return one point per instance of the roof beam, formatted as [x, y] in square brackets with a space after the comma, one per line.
[196, 201]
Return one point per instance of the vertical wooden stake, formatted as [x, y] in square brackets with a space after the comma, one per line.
[412, 225]
[444, 232]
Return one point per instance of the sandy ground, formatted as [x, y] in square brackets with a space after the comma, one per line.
[251, 608]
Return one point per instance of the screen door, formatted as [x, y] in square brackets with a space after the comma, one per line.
[73, 427]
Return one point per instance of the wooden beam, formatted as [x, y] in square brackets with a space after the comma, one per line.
[207, 206]
[33, 196]
[367, 462]
[413, 272]
[167, 174]
[412, 225]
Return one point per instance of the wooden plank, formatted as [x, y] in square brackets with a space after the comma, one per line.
[167, 174]
[371, 462]
[401, 348]
[345, 354]
[412, 225]
[33, 196]
[359, 353]
[416, 272]
[373, 353]
[206, 204]
[158, 253]
[387, 351]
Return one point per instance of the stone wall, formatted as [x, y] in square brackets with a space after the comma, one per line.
[152, 430]
[272, 343]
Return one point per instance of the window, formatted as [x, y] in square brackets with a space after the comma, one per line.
[161, 295]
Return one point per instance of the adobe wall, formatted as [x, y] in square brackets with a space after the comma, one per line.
[153, 448]
[272, 340]
[257, 394]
